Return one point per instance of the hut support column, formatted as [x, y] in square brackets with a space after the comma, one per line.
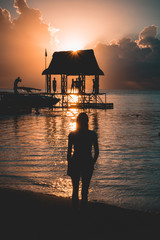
[96, 84]
[83, 83]
[48, 83]
[64, 89]
[63, 83]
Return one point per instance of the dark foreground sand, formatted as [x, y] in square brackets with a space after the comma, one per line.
[28, 215]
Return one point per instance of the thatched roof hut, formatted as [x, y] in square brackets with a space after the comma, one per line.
[82, 62]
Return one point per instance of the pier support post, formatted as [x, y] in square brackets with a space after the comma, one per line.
[83, 83]
[63, 83]
[48, 80]
[96, 84]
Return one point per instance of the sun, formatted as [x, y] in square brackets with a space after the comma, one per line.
[75, 47]
[74, 44]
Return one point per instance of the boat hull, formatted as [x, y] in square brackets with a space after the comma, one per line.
[23, 103]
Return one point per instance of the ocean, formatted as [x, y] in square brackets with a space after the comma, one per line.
[33, 151]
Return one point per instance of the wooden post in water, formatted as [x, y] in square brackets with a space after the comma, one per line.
[63, 83]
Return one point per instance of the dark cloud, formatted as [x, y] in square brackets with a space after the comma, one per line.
[148, 32]
[21, 6]
[22, 44]
[129, 64]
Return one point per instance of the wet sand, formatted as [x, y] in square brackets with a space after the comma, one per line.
[29, 215]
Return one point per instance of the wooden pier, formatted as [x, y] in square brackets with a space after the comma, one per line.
[77, 64]
[82, 101]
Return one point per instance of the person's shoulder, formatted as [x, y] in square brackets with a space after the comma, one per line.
[71, 134]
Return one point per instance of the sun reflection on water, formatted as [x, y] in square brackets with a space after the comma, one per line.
[62, 187]
[74, 99]
[73, 113]
[72, 126]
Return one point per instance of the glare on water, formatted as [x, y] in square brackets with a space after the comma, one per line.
[33, 151]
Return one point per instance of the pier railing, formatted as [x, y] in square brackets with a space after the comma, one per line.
[84, 100]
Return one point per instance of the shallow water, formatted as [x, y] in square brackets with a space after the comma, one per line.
[33, 151]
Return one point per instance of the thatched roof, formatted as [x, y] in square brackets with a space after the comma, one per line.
[74, 63]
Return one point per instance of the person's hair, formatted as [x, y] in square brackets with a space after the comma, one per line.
[82, 121]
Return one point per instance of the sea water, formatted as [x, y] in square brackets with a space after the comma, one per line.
[33, 149]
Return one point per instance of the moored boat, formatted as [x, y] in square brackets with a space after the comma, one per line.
[17, 103]
[24, 103]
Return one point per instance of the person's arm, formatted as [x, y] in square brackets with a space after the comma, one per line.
[69, 152]
[96, 149]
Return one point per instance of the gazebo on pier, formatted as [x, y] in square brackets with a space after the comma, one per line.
[81, 63]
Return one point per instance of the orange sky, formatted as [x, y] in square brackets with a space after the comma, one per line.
[28, 27]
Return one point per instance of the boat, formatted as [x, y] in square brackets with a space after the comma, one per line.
[13, 103]
[24, 103]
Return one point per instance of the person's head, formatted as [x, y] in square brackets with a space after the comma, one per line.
[82, 121]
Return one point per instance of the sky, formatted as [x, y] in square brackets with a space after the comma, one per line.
[124, 34]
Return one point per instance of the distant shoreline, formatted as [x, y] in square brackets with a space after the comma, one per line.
[35, 213]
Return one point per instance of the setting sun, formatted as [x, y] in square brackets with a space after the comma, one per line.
[74, 44]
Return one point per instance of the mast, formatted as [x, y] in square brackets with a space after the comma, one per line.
[46, 76]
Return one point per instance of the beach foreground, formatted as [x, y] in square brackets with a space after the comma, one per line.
[32, 215]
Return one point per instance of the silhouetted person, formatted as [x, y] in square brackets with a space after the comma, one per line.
[93, 85]
[80, 159]
[54, 85]
[16, 84]
[72, 85]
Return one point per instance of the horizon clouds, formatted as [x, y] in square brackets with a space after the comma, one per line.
[130, 64]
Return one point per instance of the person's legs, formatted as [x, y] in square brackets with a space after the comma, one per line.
[75, 184]
[86, 178]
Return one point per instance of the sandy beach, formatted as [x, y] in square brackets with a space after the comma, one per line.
[32, 215]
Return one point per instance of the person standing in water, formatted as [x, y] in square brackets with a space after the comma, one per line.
[80, 158]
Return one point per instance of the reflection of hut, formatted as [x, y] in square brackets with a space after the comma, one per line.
[81, 63]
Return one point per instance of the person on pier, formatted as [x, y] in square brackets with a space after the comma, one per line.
[16, 84]
[54, 85]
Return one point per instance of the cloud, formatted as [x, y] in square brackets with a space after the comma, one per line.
[22, 44]
[21, 6]
[147, 38]
[5, 19]
[148, 32]
[129, 64]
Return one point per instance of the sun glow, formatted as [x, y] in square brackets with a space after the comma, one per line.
[74, 99]
[74, 44]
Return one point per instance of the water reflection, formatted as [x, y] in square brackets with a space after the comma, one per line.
[95, 120]
[33, 152]
[16, 124]
[36, 152]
